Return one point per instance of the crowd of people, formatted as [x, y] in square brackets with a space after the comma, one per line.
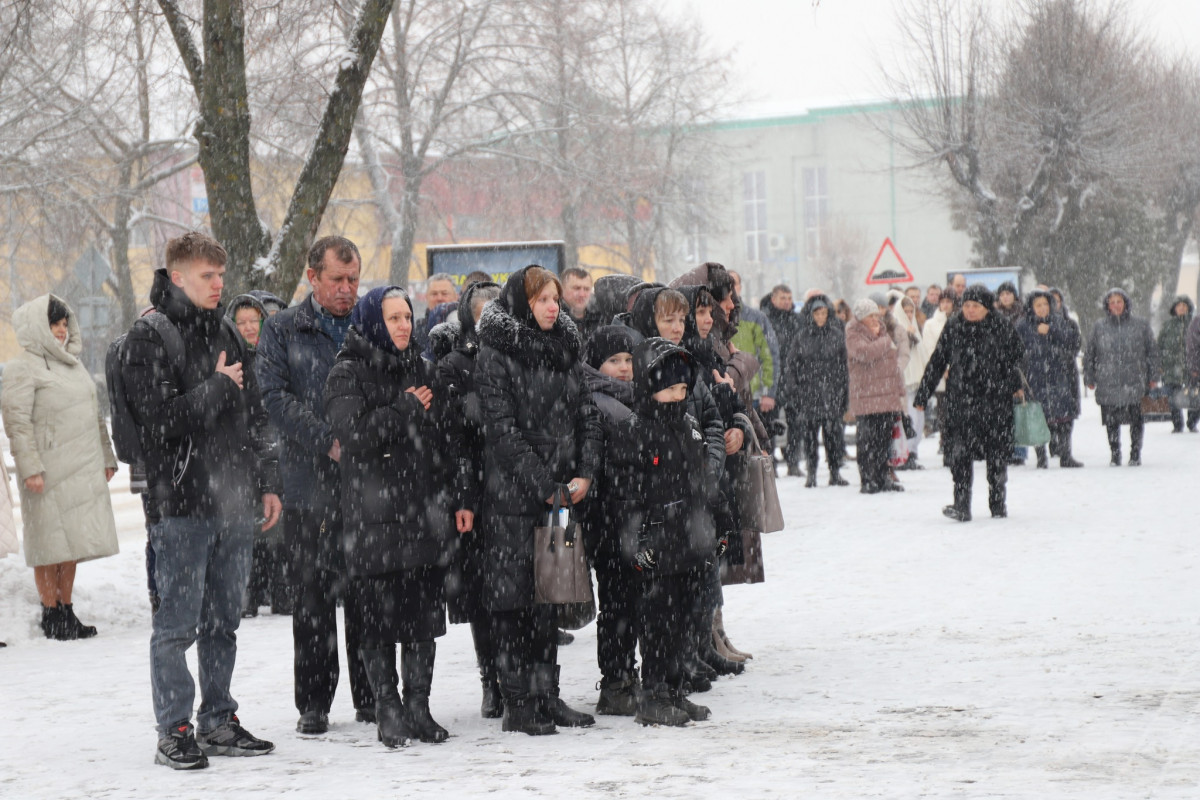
[343, 451]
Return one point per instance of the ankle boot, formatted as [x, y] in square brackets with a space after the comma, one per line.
[835, 478]
[961, 509]
[1042, 461]
[719, 627]
[655, 707]
[54, 625]
[618, 696]
[416, 665]
[696, 713]
[709, 655]
[390, 718]
[71, 622]
[811, 480]
[552, 705]
[521, 714]
[698, 675]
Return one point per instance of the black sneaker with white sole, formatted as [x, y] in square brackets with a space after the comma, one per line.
[177, 749]
[231, 739]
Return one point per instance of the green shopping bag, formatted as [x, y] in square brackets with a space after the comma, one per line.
[1029, 424]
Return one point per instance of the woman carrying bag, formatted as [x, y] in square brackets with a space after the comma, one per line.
[399, 520]
[542, 431]
[1051, 345]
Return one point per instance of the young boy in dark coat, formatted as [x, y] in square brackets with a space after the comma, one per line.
[663, 473]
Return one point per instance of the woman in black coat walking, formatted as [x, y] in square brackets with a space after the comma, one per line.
[466, 584]
[1051, 344]
[983, 354]
[542, 432]
[817, 385]
[398, 521]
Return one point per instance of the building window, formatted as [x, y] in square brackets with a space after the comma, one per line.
[754, 209]
[816, 208]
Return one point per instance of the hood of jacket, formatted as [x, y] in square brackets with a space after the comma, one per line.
[812, 304]
[646, 357]
[610, 296]
[641, 317]
[32, 325]
[465, 316]
[444, 338]
[717, 279]
[599, 383]
[1127, 313]
[1181, 298]
[245, 301]
[268, 300]
[1035, 294]
[508, 325]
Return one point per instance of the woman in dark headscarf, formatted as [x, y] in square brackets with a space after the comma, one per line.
[399, 521]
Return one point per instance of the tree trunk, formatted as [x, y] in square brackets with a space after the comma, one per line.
[118, 233]
[402, 244]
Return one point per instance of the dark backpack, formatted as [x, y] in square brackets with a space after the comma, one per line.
[125, 435]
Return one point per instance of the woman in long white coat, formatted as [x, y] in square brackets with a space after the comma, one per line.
[904, 311]
[63, 455]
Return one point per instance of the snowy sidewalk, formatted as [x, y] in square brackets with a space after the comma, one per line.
[898, 655]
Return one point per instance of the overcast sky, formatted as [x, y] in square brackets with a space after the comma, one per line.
[798, 54]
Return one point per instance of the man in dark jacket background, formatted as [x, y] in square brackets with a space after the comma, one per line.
[209, 466]
[296, 352]
[781, 313]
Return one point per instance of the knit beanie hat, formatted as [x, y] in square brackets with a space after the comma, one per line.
[609, 340]
[864, 308]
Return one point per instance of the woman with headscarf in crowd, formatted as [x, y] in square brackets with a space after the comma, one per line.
[542, 436]
[398, 517]
[876, 391]
[59, 441]
[1051, 345]
[817, 385]
[980, 354]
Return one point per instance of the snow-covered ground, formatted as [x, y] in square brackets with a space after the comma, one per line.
[897, 654]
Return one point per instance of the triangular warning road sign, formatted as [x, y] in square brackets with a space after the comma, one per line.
[889, 267]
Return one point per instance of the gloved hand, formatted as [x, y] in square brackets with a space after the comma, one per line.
[644, 561]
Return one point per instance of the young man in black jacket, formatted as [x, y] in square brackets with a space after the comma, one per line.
[210, 469]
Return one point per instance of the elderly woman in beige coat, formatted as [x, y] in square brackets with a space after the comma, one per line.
[876, 394]
[63, 455]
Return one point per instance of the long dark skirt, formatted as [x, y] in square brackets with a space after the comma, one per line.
[406, 606]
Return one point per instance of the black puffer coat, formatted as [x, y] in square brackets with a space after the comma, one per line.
[664, 468]
[208, 448]
[984, 359]
[396, 468]
[541, 429]
[614, 399]
[1121, 358]
[1049, 360]
[817, 378]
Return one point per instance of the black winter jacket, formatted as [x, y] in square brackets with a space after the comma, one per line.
[396, 463]
[984, 359]
[817, 382]
[663, 471]
[292, 363]
[1050, 360]
[207, 445]
[540, 426]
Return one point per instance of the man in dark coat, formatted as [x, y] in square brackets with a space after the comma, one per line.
[1172, 348]
[1121, 364]
[780, 311]
[295, 354]
[983, 354]
[209, 469]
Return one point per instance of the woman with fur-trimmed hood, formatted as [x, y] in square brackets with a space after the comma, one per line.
[1172, 346]
[542, 433]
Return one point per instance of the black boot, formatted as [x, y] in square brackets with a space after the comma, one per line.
[811, 480]
[709, 655]
[835, 479]
[1135, 445]
[1042, 461]
[618, 697]
[997, 496]
[416, 665]
[53, 626]
[696, 713]
[492, 706]
[698, 675]
[1065, 460]
[389, 710]
[552, 705]
[1114, 444]
[961, 510]
[521, 713]
[655, 707]
[71, 624]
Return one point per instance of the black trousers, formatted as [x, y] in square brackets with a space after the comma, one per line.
[618, 587]
[314, 628]
[832, 432]
[526, 637]
[1193, 415]
[962, 470]
[669, 603]
[873, 443]
[794, 447]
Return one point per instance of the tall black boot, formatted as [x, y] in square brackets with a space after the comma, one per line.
[552, 705]
[1043, 462]
[389, 710]
[521, 712]
[997, 476]
[1135, 444]
[1065, 459]
[961, 510]
[72, 627]
[416, 666]
[1114, 444]
[492, 706]
[811, 480]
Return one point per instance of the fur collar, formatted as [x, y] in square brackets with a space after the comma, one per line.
[558, 348]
